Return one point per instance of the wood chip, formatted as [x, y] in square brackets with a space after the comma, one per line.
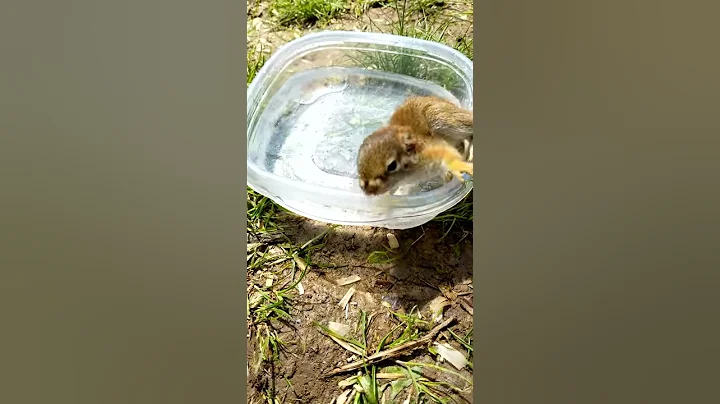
[393, 241]
[452, 355]
[346, 299]
[465, 305]
[348, 280]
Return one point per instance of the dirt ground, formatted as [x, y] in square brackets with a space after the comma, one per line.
[433, 261]
[369, 15]
[430, 269]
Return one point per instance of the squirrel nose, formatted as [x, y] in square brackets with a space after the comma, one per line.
[368, 187]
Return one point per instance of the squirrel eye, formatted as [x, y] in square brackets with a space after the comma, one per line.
[392, 166]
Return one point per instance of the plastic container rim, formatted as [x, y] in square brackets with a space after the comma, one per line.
[290, 50]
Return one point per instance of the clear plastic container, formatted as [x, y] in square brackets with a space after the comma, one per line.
[316, 99]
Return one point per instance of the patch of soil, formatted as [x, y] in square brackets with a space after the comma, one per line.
[263, 34]
[429, 268]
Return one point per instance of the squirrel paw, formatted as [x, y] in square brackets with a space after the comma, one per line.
[457, 167]
[457, 174]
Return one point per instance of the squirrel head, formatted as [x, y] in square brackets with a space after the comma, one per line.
[386, 157]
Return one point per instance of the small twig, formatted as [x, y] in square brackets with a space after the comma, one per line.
[393, 352]
[465, 305]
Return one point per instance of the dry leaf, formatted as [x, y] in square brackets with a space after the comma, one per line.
[437, 306]
[254, 300]
[448, 292]
[339, 328]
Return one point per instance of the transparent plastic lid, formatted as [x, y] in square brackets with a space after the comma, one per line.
[318, 97]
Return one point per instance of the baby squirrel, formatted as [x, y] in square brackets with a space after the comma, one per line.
[423, 136]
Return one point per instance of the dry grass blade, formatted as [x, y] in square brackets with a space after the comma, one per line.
[342, 398]
[393, 352]
[345, 342]
[440, 368]
[390, 376]
[346, 299]
[348, 382]
[347, 346]
[300, 262]
[316, 238]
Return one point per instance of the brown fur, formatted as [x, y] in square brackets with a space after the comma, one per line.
[437, 117]
[423, 132]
